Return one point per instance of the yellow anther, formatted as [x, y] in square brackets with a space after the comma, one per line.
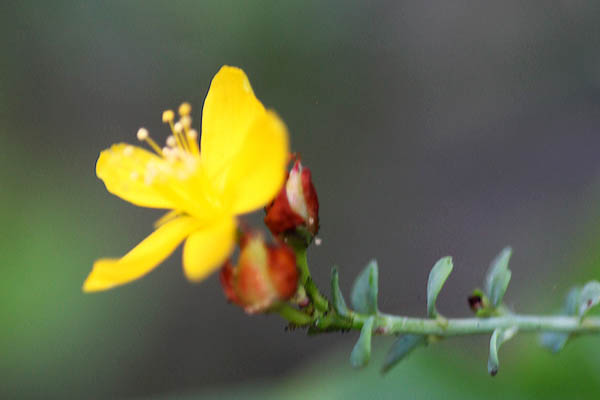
[178, 134]
[185, 109]
[186, 121]
[142, 134]
[192, 134]
[178, 127]
[168, 116]
[171, 141]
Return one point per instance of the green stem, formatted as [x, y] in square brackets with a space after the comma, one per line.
[320, 302]
[390, 324]
[327, 320]
[386, 324]
[293, 315]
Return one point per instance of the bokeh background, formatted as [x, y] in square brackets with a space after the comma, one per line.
[432, 128]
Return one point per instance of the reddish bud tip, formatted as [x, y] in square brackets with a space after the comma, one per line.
[475, 302]
[295, 205]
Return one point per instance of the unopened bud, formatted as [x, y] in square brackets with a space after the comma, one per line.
[296, 205]
[227, 282]
[264, 275]
[475, 302]
[479, 304]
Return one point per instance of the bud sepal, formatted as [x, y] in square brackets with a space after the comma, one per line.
[265, 274]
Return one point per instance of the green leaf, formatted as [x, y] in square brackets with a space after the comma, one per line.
[555, 341]
[578, 302]
[402, 347]
[499, 336]
[589, 297]
[362, 349]
[364, 292]
[498, 277]
[339, 304]
[437, 277]
[572, 301]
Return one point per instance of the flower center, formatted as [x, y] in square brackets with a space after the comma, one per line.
[177, 173]
[181, 150]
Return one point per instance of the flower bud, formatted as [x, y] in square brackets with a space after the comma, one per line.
[296, 205]
[265, 274]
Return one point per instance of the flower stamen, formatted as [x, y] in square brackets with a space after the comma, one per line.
[192, 137]
[185, 109]
[171, 141]
[186, 122]
[168, 117]
[178, 132]
[183, 139]
[144, 136]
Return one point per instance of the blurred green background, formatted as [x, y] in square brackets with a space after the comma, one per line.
[432, 128]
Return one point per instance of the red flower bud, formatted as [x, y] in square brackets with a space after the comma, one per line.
[295, 205]
[227, 282]
[265, 274]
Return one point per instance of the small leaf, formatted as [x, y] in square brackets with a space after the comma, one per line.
[364, 292]
[437, 277]
[555, 341]
[361, 353]
[339, 304]
[498, 277]
[572, 301]
[498, 337]
[589, 297]
[402, 347]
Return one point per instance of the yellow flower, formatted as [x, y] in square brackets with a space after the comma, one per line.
[239, 167]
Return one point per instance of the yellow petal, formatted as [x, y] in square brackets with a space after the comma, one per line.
[142, 259]
[170, 216]
[258, 170]
[208, 248]
[123, 168]
[229, 110]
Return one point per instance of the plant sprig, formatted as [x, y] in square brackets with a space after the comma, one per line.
[491, 315]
